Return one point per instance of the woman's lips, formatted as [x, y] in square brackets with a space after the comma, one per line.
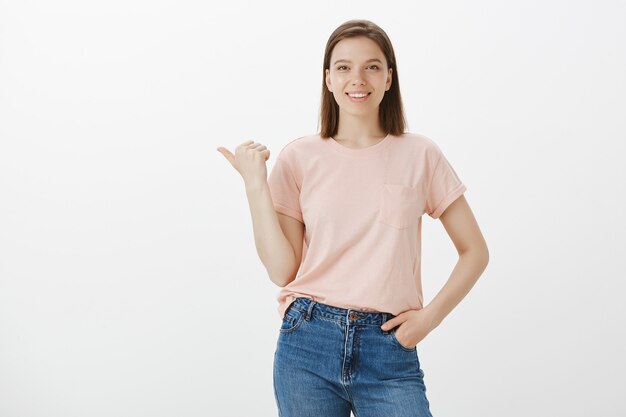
[358, 99]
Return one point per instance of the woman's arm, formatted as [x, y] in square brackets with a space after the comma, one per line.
[276, 242]
[461, 226]
[276, 236]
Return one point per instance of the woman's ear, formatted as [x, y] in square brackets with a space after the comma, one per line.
[328, 83]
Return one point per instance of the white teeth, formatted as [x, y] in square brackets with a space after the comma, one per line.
[358, 95]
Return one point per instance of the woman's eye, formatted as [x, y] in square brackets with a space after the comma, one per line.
[371, 66]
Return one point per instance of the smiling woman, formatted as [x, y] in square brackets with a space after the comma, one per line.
[358, 60]
[337, 225]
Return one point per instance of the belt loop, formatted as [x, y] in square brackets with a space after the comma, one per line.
[385, 320]
[307, 315]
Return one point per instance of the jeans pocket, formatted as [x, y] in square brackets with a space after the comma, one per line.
[397, 342]
[292, 320]
[399, 206]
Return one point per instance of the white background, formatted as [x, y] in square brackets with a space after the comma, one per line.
[129, 280]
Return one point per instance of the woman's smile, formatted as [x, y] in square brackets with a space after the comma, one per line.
[358, 98]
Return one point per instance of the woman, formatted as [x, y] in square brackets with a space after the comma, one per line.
[338, 227]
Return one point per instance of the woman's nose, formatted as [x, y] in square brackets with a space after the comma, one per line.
[358, 81]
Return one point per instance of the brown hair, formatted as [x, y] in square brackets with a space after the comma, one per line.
[390, 111]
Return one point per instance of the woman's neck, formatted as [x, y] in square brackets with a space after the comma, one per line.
[358, 132]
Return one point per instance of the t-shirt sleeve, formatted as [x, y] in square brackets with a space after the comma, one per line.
[445, 186]
[284, 189]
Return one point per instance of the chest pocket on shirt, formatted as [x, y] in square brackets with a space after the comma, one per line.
[399, 206]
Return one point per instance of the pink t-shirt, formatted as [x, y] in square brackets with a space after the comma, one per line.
[362, 210]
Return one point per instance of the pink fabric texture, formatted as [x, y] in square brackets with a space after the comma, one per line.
[362, 210]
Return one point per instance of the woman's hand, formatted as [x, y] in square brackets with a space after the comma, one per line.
[414, 326]
[249, 160]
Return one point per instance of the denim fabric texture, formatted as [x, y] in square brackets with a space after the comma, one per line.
[331, 361]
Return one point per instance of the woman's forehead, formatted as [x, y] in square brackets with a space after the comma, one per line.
[359, 49]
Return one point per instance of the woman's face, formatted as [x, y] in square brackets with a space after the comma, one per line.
[358, 65]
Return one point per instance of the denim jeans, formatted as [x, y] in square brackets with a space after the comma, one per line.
[331, 361]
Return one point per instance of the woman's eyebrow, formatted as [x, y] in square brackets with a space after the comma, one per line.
[348, 61]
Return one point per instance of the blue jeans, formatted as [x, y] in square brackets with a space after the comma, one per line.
[331, 361]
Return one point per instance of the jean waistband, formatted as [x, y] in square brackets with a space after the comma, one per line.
[348, 315]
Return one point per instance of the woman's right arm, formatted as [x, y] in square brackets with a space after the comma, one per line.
[277, 237]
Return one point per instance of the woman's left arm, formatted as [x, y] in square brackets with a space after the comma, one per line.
[461, 226]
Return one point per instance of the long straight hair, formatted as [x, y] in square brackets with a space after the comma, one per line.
[390, 110]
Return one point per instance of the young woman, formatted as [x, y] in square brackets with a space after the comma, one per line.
[338, 226]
